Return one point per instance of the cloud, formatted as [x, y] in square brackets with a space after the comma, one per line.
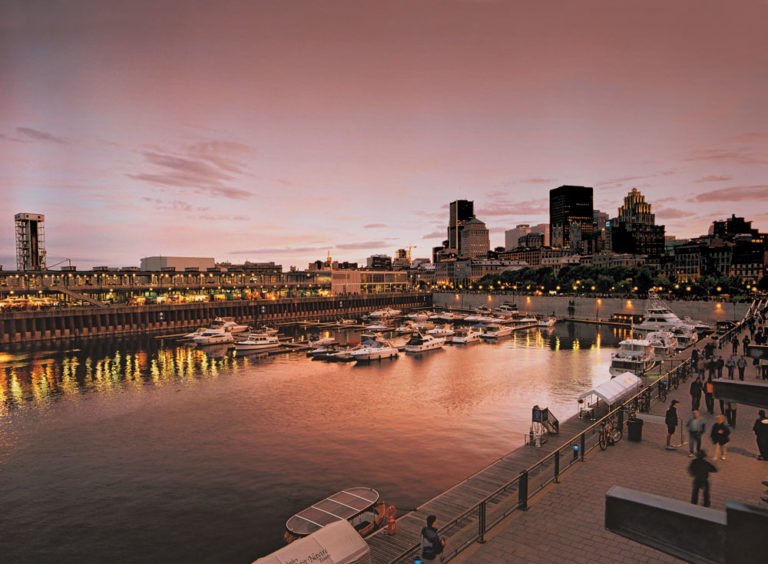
[621, 180]
[375, 226]
[30, 135]
[713, 178]
[505, 207]
[203, 168]
[175, 205]
[224, 217]
[280, 250]
[751, 137]
[537, 180]
[672, 213]
[363, 245]
[737, 155]
[435, 235]
[734, 194]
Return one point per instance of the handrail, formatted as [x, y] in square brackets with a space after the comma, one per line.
[522, 479]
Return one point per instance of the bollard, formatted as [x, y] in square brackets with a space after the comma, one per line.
[557, 466]
[575, 449]
[481, 523]
[581, 447]
[522, 498]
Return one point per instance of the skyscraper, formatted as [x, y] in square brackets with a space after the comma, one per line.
[460, 212]
[634, 230]
[571, 217]
[30, 241]
[475, 240]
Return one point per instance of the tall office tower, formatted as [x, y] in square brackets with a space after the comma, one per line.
[634, 230]
[460, 212]
[569, 207]
[30, 241]
[475, 239]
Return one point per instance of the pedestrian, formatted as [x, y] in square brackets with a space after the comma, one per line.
[700, 469]
[696, 427]
[745, 343]
[695, 359]
[711, 368]
[735, 343]
[670, 418]
[719, 364]
[760, 429]
[695, 391]
[730, 413]
[709, 395]
[730, 364]
[721, 436]
[432, 545]
[741, 364]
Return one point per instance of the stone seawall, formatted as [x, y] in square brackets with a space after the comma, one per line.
[592, 308]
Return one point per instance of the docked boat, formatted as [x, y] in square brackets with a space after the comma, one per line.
[374, 350]
[546, 321]
[449, 316]
[378, 327]
[346, 322]
[464, 335]
[664, 343]
[418, 316]
[324, 352]
[213, 336]
[229, 325]
[507, 309]
[495, 332]
[634, 355]
[319, 341]
[658, 317]
[525, 321]
[422, 343]
[385, 313]
[258, 342]
[360, 506]
[191, 336]
[444, 331]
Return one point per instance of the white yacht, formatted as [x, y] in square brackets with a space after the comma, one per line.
[634, 355]
[422, 343]
[464, 335]
[385, 313]
[212, 336]
[229, 325]
[664, 343]
[526, 320]
[418, 316]
[191, 336]
[444, 331]
[319, 341]
[658, 317]
[547, 321]
[258, 342]
[374, 350]
[507, 309]
[449, 316]
[379, 327]
[495, 331]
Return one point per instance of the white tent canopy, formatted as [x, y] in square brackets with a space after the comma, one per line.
[335, 543]
[615, 388]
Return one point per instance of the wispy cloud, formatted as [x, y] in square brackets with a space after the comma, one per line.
[363, 245]
[538, 180]
[622, 180]
[672, 213]
[205, 167]
[280, 250]
[375, 226]
[175, 205]
[435, 235]
[713, 178]
[734, 194]
[503, 206]
[736, 155]
[30, 135]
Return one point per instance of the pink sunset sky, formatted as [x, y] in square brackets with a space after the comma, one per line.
[281, 129]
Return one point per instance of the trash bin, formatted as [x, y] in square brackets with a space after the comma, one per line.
[635, 430]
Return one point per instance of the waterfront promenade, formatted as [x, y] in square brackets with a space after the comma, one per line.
[565, 523]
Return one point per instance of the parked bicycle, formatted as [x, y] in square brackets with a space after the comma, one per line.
[644, 402]
[610, 433]
[663, 390]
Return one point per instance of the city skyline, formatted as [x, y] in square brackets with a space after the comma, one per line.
[280, 131]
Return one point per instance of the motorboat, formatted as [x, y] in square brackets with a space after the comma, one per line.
[546, 321]
[360, 506]
[229, 325]
[347, 322]
[324, 352]
[319, 341]
[526, 321]
[191, 336]
[407, 328]
[268, 330]
[495, 331]
[464, 335]
[213, 336]
[634, 355]
[507, 309]
[686, 336]
[378, 327]
[658, 317]
[258, 342]
[444, 331]
[449, 316]
[421, 343]
[374, 350]
[385, 313]
[418, 316]
[664, 343]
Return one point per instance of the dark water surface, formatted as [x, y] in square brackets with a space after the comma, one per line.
[148, 451]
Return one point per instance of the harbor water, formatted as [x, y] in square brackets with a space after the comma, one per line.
[147, 450]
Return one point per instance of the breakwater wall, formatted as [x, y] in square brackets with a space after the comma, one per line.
[74, 323]
[592, 308]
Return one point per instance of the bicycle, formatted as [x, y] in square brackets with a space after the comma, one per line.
[644, 402]
[610, 434]
[662, 390]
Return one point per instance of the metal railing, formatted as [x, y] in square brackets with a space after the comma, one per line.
[472, 525]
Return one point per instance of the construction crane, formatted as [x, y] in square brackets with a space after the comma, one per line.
[68, 261]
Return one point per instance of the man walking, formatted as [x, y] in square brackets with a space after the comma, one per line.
[741, 364]
[709, 396]
[670, 418]
[760, 429]
[696, 427]
[432, 545]
[700, 469]
[719, 363]
[695, 391]
[735, 343]
[730, 364]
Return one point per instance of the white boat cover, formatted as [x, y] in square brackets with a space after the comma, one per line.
[336, 543]
[615, 388]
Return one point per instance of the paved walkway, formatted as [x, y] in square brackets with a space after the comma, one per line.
[565, 523]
